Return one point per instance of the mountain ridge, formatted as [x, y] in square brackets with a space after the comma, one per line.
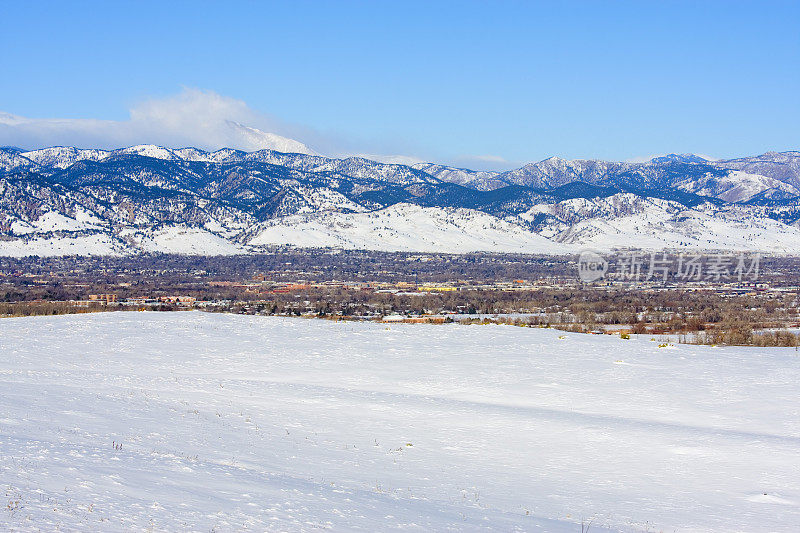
[232, 200]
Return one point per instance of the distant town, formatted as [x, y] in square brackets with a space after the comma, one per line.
[541, 291]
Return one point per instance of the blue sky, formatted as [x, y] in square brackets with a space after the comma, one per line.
[472, 83]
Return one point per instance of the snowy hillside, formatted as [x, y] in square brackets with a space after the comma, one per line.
[203, 422]
[656, 224]
[783, 166]
[405, 227]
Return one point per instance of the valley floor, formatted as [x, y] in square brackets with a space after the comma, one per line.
[221, 422]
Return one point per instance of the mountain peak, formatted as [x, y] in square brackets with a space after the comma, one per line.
[150, 150]
[680, 158]
[253, 139]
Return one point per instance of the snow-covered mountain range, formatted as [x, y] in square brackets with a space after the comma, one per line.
[65, 200]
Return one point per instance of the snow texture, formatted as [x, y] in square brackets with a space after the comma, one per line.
[201, 422]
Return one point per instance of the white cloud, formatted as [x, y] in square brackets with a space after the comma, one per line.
[489, 159]
[483, 162]
[203, 119]
[207, 120]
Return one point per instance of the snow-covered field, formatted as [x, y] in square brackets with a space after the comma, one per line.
[192, 421]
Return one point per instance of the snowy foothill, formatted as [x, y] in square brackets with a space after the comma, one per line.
[407, 227]
[193, 421]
